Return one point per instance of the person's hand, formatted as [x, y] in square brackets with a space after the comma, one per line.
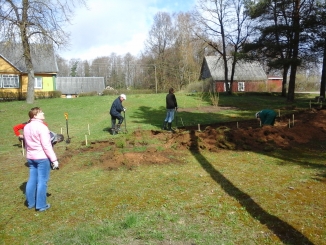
[176, 108]
[20, 137]
[55, 165]
[124, 109]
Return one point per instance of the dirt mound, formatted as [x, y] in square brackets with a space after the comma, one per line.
[299, 128]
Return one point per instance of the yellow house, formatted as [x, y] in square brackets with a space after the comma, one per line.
[13, 72]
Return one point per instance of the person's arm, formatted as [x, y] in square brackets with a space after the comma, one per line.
[17, 128]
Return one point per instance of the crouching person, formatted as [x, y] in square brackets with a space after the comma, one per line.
[266, 116]
[115, 113]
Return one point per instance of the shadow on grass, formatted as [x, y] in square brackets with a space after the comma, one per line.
[286, 233]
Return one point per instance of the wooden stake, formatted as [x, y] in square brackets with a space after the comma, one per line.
[198, 127]
[237, 124]
[182, 121]
[293, 120]
[85, 139]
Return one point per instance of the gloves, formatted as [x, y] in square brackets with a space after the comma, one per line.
[124, 109]
[55, 165]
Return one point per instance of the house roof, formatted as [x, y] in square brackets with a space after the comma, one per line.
[43, 57]
[77, 85]
[244, 71]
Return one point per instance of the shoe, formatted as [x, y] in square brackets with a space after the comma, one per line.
[31, 207]
[46, 207]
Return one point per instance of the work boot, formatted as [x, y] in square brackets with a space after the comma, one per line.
[169, 127]
[164, 125]
[117, 128]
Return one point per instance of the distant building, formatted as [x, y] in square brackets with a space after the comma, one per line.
[73, 86]
[13, 71]
[248, 76]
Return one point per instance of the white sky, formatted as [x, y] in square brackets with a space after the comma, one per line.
[116, 26]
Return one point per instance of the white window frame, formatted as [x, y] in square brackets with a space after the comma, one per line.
[225, 86]
[38, 83]
[241, 86]
[9, 81]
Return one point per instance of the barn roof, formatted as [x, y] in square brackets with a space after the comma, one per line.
[77, 85]
[43, 57]
[244, 71]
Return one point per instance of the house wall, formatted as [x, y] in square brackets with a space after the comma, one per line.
[7, 68]
[253, 86]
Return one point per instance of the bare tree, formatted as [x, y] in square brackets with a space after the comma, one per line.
[224, 25]
[35, 21]
[159, 41]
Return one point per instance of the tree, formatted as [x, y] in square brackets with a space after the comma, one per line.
[31, 21]
[160, 39]
[282, 37]
[224, 25]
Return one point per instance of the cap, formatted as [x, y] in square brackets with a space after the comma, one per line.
[123, 96]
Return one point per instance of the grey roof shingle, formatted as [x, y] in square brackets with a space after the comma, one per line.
[43, 57]
[244, 71]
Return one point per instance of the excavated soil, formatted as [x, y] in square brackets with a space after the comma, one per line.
[308, 126]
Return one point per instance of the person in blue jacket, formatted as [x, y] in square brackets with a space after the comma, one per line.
[115, 113]
[266, 116]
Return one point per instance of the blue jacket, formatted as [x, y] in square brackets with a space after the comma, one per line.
[116, 107]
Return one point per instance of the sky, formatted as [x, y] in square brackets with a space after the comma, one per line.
[115, 26]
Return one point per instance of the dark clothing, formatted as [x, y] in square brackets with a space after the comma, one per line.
[267, 117]
[171, 101]
[115, 113]
[116, 108]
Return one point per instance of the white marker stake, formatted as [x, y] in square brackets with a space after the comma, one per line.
[86, 139]
[198, 127]
[89, 132]
[293, 120]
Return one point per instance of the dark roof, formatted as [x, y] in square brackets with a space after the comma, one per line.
[43, 57]
[77, 85]
[245, 71]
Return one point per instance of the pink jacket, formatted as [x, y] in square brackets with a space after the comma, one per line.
[37, 141]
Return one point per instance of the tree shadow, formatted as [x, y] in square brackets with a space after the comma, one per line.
[286, 233]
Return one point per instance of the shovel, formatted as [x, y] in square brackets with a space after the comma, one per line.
[68, 138]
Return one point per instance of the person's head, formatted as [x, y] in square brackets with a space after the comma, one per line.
[257, 114]
[123, 97]
[36, 112]
[171, 91]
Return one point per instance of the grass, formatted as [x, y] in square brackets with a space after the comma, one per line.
[229, 197]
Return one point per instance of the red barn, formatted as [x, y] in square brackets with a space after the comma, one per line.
[248, 76]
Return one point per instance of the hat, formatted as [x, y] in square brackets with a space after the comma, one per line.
[257, 114]
[123, 96]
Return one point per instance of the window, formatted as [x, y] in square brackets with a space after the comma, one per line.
[225, 86]
[241, 86]
[9, 81]
[38, 82]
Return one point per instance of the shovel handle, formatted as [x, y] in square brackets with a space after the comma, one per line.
[66, 115]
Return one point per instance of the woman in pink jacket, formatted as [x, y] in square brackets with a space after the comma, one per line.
[39, 154]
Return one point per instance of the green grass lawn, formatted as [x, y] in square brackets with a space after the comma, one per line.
[229, 197]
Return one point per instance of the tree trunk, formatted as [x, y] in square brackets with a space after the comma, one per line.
[323, 74]
[285, 79]
[27, 53]
[295, 62]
